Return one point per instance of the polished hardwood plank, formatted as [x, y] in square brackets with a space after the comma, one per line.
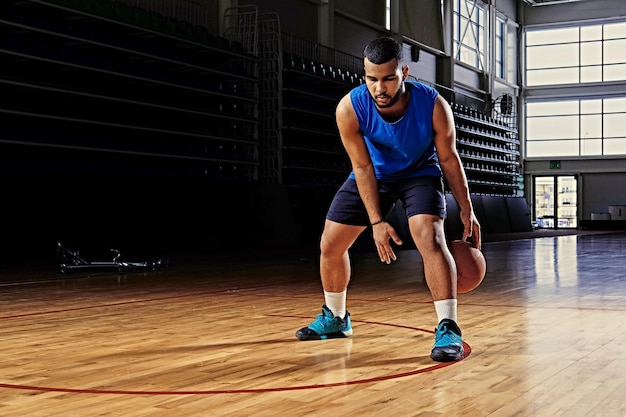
[214, 336]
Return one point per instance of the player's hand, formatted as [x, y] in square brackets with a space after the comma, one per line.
[471, 228]
[382, 232]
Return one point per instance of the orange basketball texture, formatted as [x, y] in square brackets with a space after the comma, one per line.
[470, 265]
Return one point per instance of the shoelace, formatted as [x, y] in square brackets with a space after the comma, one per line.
[446, 335]
[324, 321]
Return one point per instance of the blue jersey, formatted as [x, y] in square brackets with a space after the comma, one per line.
[404, 148]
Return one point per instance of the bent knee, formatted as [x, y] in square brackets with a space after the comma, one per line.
[337, 238]
[427, 231]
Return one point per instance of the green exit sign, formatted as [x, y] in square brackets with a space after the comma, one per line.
[555, 164]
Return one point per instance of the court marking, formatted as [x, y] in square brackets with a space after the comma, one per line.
[437, 365]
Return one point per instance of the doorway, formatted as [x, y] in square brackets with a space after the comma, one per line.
[556, 198]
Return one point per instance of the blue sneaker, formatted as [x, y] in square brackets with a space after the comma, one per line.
[326, 326]
[448, 342]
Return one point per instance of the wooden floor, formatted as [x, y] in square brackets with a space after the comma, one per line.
[544, 334]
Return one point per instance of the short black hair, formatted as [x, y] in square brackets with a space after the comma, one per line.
[382, 50]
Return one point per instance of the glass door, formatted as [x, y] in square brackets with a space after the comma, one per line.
[566, 214]
[555, 202]
[544, 202]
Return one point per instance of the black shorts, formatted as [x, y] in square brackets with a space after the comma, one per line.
[421, 195]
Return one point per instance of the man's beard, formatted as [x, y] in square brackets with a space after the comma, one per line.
[393, 101]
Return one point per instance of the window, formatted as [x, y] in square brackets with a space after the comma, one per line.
[499, 47]
[574, 55]
[585, 127]
[470, 33]
[512, 58]
[505, 49]
[388, 14]
[593, 125]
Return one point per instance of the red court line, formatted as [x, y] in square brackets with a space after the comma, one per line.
[467, 350]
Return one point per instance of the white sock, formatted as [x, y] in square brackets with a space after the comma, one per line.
[336, 302]
[446, 309]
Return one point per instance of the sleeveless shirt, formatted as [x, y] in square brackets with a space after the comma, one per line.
[404, 148]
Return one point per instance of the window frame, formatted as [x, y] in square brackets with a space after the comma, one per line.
[478, 17]
[582, 72]
[589, 110]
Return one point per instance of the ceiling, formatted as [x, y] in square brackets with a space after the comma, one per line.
[548, 2]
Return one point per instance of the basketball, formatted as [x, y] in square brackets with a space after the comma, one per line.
[470, 265]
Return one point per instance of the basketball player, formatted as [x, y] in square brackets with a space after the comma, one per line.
[400, 138]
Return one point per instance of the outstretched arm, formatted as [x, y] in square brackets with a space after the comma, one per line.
[445, 143]
[354, 143]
